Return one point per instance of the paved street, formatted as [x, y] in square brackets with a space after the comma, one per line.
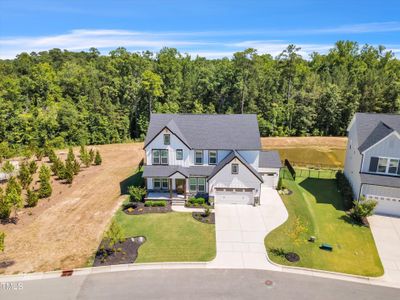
[241, 229]
[386, 231]
[197, 284]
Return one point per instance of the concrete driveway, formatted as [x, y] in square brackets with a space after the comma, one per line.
[386, 231]
[241, 229]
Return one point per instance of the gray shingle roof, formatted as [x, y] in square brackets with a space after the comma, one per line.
[371, 128]
[228, 159]
[269, 159]
[216, 132]
[382, 180]
[166, 171]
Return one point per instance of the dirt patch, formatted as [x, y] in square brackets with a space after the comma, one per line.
[62, 232]
[138, 208]
[199, 216]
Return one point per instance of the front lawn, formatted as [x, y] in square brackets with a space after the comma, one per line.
[317, 205]
[171, 237]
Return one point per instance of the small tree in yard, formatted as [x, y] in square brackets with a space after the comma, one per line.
[32, 198]
[52, 156]
[91, 155]
[85, 158]
[5, 206]
[13, 195]
[8, 168]
[77, 166]
[82, 151]
[33, 167]
[114, 234]
[69, 172]
[136, 193]
[362, 209]
[207, 211]
[2, 238]
[39, 152]
[98, 160]
[45, 189]
[71, 155]
[25, 176]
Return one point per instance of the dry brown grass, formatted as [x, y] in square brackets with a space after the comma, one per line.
[63, 231]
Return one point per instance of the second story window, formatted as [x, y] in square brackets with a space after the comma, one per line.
[212, 157]
[179, 154]
[235, 168]
[394, 166]
[382, 163]
[385, 165]
[198, 157]
[160, 157]
[167, 139]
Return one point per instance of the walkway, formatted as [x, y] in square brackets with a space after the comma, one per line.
[241, 229]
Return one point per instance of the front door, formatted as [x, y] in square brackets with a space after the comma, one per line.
[180, 186]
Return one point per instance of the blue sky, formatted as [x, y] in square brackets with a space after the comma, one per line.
[206, 28]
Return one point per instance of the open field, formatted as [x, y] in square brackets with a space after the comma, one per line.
[63, 231]
[170, 236]
[318, 206]
[309, 151]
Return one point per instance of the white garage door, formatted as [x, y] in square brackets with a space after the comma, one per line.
[386, 205]
[269, 179]
[234, 197]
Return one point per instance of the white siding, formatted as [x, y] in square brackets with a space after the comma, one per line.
[225, 178]
[264, 171]
[175, 143]
[353, 160]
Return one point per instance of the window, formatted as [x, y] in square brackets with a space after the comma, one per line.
[164, 157]
[382, 163]
[160, 157]
[167, 139]
[193, 184]
[160, 183]
[212, 157]
[198, 157]
[197, 184]
[201, 184]
[156, 157]
[235, 169]
[393, 165]
[179, 154]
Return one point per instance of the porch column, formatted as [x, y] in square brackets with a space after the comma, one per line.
[185, 188]
[170, 187]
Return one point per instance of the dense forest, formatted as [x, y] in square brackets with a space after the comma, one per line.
[59, 98]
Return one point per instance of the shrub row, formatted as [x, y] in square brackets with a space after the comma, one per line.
[345, 189]
[161, 203]
[199, 201]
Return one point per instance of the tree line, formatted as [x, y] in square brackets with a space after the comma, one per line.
[56, 98]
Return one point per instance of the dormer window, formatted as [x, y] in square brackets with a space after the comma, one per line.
[167, 139]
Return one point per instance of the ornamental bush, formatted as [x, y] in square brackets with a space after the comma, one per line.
[199, 201]
[345, 189]
[32, 198]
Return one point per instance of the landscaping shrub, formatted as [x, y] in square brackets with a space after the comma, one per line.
[25, 176]
[45, 189]
[198, 201]
[160, 203]
[362, 209]
[345, 189]
[98, 160]
[136, 193]
[207, 211]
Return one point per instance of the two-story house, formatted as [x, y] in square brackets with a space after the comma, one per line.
[218, 156]
[373, 160]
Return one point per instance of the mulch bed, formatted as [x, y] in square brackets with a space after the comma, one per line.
[199, 216]
[138, 208]
[199, 206]
[292, 257]
[125, 252]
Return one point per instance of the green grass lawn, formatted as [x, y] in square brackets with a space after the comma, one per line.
[171, 237]
[318, 206]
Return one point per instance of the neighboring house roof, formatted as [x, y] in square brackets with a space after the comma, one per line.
[381, 180]
[166, 171]
[269, 159]
[371, 128]
[233, 154]
[202, 131]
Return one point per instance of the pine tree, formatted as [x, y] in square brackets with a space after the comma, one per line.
[77, 166]
[33, 167]
[45, 189]
[71, 155]
[52, 156]
[2, 238]
[32, 198]
[98, 160]
[82, 151]
[25, 176]
[5, 206]
[91, 155]
[69, 169]
[13, 195]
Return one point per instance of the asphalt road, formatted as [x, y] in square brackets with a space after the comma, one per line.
[195, 284]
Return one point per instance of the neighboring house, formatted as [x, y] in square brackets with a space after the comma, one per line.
[373, 160]
[217, 156]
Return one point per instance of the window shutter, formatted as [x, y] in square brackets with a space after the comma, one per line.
[398, 169]
[373, 165]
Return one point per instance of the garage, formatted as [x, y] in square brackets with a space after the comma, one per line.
[386, 205]
[234, 196]
[270, 179]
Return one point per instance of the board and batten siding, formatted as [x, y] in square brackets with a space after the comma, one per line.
[225, 178]
[389, 147]
[265, 171]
